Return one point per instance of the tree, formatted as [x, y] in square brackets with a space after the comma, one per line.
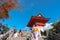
[55, 31]
[56, 27]
[3, 29]
[6, 6]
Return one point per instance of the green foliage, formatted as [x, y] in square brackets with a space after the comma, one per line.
[3, 29]
[56, 27]
[54, 31]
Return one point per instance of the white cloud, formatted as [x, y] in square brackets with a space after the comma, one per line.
[48, 26]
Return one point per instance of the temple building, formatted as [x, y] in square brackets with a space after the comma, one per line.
[40, 20]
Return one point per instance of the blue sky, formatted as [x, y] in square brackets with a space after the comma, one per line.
[20, 17]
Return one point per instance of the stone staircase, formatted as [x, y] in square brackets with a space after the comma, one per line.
[25, 36]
